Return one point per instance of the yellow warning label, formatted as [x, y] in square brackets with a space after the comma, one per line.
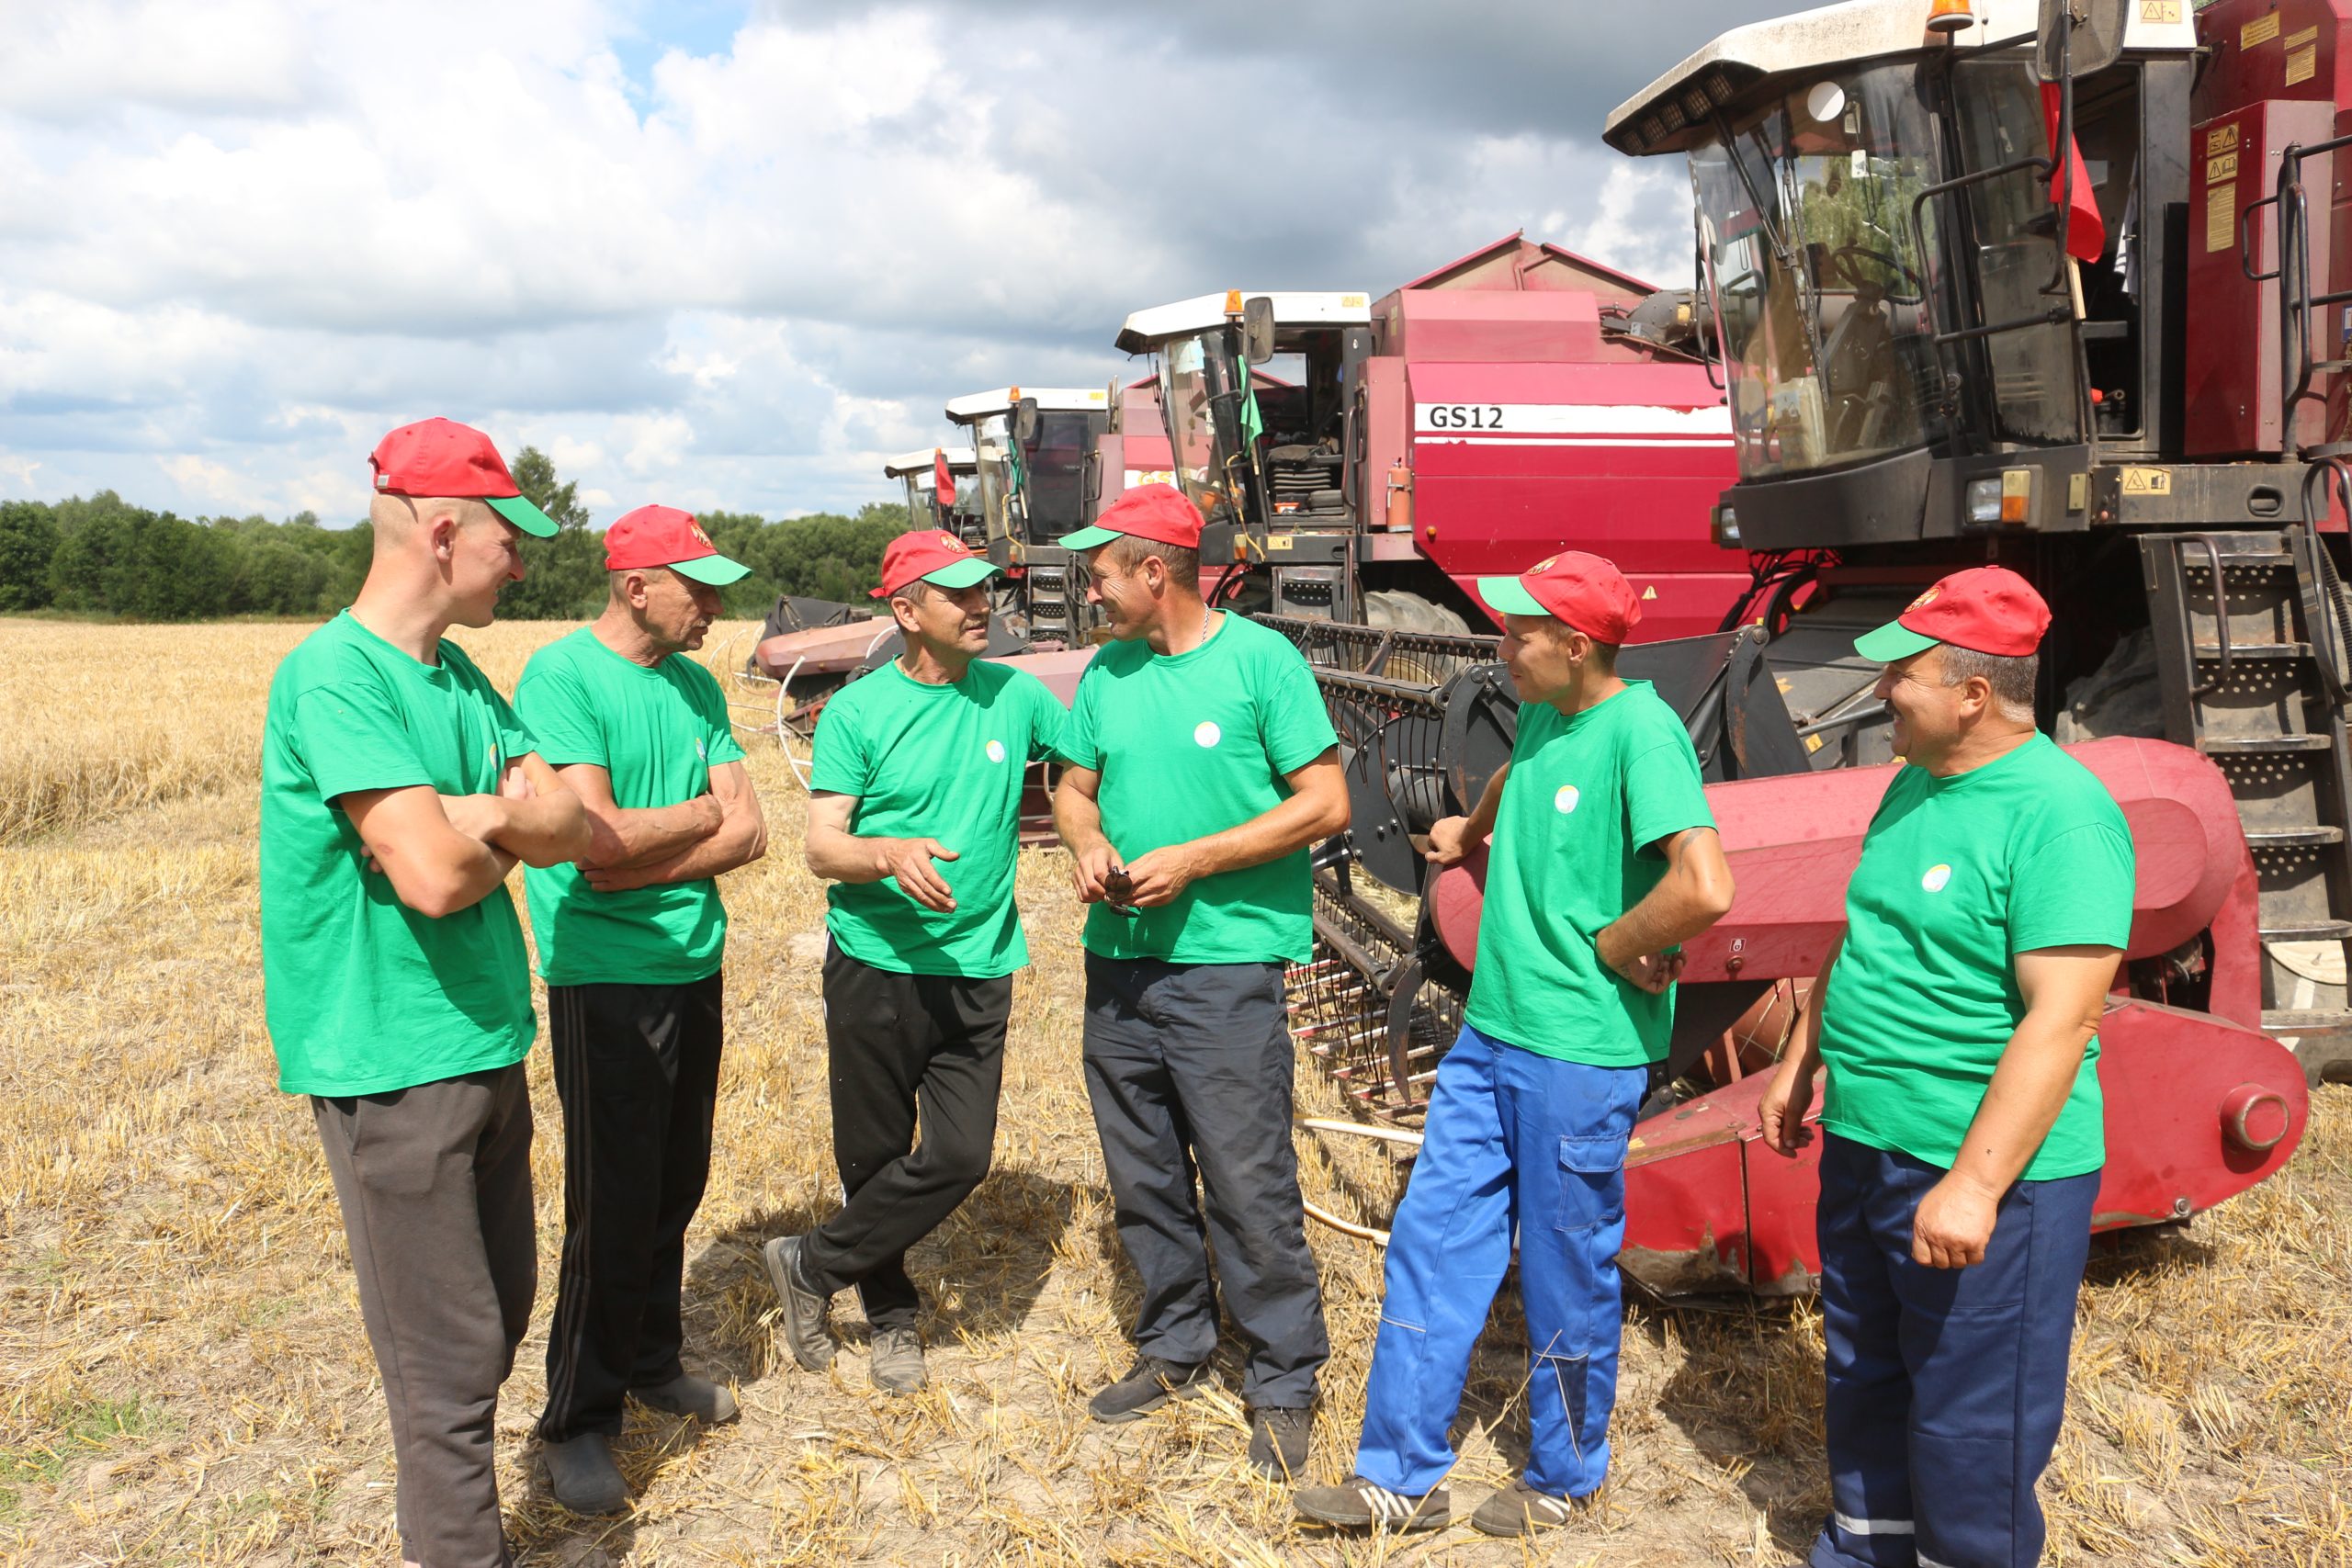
[2160, 10]
[1813, 742]
[2147, 481]
[2262, 30]
[2224, 167]
[2220, 139]
[2302, 64]
[1651, 591]
[2220, 216]
[1280, 542]
[2297, 40]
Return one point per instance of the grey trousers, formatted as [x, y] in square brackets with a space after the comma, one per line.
[1188, 1066]
[435, 1187]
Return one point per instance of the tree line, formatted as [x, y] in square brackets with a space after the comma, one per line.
[103, 556]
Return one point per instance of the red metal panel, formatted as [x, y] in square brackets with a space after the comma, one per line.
[1792, 843]
[1388, 422]
[1632, 381]
[1490, 326]
[2271, 49]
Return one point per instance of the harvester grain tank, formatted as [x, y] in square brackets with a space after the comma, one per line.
[1388, 451]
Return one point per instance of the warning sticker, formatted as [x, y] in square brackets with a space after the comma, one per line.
[2220, 216]
[2166, 11]
[2224, 167]
[2302, 64]
[2297, 40]
[2262, 30]
[2147, 481]
[2220, 139]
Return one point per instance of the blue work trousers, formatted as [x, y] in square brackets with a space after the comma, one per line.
[1512, 1140]
[1945, 1385]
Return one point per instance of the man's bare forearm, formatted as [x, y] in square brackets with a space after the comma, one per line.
[623, 837]
[738, 842]
[1693, 895]
[1481, 823]
[1286, 828]
[542, 829]
[2029, 1087]
[1078, 818]
[838, 855]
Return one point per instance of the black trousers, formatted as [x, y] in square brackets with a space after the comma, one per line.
[899, 1045]
[435, 1183]
[637, 1070]
[1188, 1067]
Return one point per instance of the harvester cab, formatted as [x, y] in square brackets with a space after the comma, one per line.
[1952, 259]
[955, 506]
[1039, 467]
[1256, 392]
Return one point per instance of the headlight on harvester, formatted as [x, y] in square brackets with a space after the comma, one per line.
[1985, 500]
[1726, 529]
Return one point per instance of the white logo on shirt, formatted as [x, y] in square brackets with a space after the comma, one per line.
[995, 751]
[698, 749]
[1564, 799]
[1937, 876]
[1206, 733]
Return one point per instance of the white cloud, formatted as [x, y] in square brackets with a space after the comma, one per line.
[239, 241]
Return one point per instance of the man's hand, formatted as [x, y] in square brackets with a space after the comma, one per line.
[1090, 871]
[1161, 875]
[1954, 1222]
[481, 815]
[1449, 841]
[907, 862]
[1781, 1112]
[1651, 972]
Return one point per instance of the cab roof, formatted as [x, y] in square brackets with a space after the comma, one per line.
[1146, 330]
[980, 405]
[907, 463]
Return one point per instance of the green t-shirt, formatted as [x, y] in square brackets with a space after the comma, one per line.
[658, 733]
[1957, 877]
[1188, 745]
[1586, 803]
[363, 993]
[941, 761]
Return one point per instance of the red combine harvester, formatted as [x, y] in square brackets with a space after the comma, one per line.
[1385, 453]
[1947, 344]
[1041, 476]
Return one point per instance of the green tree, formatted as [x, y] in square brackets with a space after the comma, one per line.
[563, 577]
[27, 543]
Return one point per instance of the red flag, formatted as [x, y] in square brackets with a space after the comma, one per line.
[942, 483]
[2086, 230]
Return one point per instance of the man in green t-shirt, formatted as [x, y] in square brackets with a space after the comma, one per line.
[914, 817]
[1958, 1021]
[630, 942]
[1605, 859]
[1203, 766]
[398, 790]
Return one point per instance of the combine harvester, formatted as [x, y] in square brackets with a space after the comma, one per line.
[1381, 453]
[1041, 472]
[1945, 345]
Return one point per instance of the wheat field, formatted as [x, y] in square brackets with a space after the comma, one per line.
[183, 1379]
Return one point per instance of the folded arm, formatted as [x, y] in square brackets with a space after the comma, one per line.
[740, 838]
[435, 867]
[622, 836]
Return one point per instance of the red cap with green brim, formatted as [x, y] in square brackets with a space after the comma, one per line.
[664, 535]
[1580, 591]
[1159, 512]
[934, 555]
[1986, 609]
[442, 458]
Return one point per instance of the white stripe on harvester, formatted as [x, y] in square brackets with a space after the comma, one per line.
[1853, 1525]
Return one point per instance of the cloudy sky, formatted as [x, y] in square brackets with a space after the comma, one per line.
[730, 254]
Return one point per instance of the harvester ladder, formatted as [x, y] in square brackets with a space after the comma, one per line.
[2253, 659]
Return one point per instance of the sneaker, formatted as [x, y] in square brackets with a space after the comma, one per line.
[1149, 1384]
[582, 1474]
[1520, 1510]
[686, 1395]
[896, 1363]
[1360, 1504]
[1278, 1435]
[804, 1309]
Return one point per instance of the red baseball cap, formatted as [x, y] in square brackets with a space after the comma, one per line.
[1159, 512]
[664, 535]
[1579, 591]
[930, 555]
[1986, 609]
[440, 456]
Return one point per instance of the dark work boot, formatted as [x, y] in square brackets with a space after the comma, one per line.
[582, 1474]
[1278, 1435]
[1149, 1384]
[805, 1309]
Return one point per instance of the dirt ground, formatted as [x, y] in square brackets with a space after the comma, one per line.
[183, 1377]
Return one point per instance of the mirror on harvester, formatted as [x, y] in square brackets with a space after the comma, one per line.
[1258, 330]
[1024, 421]
[2092, 43]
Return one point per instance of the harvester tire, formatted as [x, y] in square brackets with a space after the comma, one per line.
[1400, 609]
